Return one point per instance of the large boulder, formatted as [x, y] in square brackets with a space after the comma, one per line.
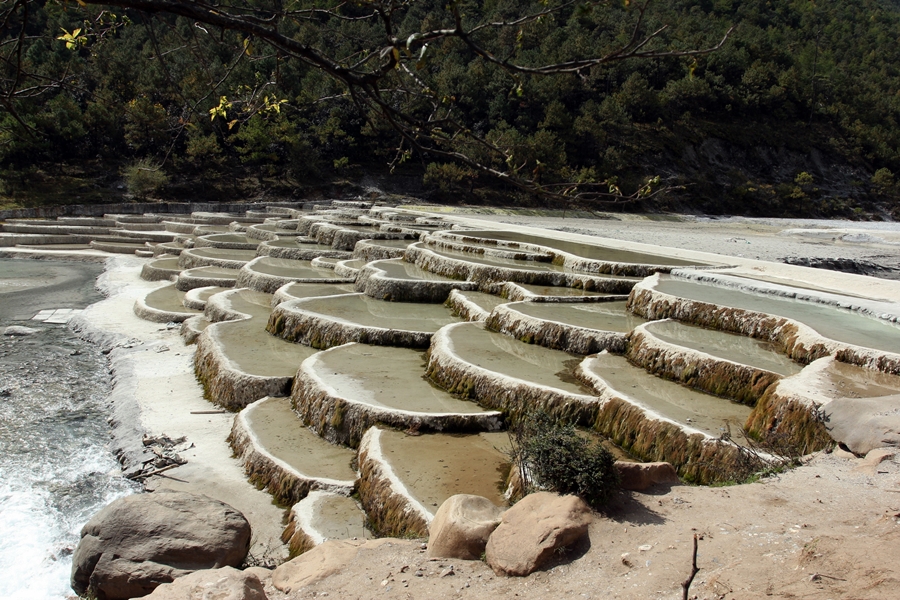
[531, 531]
[461, 527]
[138, 542]
[326, 559]
[864, 424]
[226, 583]
[640, 476]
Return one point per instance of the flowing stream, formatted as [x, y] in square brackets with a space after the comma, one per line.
[55, 469]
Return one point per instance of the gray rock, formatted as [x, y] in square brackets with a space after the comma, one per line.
[138, 542]
[462, 526]
[19, 331]
[532, 531]
[222, 584]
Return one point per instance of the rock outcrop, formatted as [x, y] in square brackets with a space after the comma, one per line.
[533, 530]
[138, 542]
[638, 477]
[462, 526]
[226, 583]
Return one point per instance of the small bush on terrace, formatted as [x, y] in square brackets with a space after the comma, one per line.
[551, 455]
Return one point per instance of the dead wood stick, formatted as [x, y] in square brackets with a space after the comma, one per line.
[686, 585]
[155, 472]
[208, 412]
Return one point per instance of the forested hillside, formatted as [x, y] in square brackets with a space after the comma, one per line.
[798, 112]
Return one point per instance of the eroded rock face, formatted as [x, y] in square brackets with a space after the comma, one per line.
[863, 424]
[226, 583]
[138, 542]
[640, 476]
[462, 526]
[532, 530]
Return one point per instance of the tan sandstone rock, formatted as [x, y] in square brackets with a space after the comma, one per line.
[325, 559]
[532, 530]
[138, 542]
[461, 527]
[864, 424]
[640, 476]
[226, 583]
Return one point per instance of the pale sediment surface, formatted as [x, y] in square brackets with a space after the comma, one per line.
[156, 392]
[502, 354]
[369, 312]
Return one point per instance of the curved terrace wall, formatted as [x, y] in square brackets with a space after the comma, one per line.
[554, 334]
[497, 391]
[375, 282]
[717, 376]
[795, 339]
[391, 509]
[284, 482]
[696, 456]
[345, 420]
[484, 275]
[291, 322]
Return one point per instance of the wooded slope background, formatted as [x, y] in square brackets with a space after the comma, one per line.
[798, 114]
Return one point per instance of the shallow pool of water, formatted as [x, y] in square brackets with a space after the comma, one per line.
[834, 323]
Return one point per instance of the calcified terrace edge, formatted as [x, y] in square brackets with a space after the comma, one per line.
[497, 391]
[516, 293]
[291, 322]
[553, 334]
[343, 420]
[797, 340]
[158, 315]
[248, 277]
[484, 275]
[697, 456]
[559, 257]
[391, 509]
[284, 482]
[374, 282]
[712, 374]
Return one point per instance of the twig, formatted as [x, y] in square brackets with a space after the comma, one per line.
[686, 585]
[208, 412]
[151, 473]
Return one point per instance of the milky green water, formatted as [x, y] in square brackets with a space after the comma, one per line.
[831, 322]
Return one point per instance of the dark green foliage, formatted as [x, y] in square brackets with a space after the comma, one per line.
[558, 459]
[817, 83]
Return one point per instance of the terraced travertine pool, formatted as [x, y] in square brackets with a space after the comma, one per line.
[551, 290]
[363, 310]
[388, 377]
[737, 348]
[591, 251]
[505, 355]
[398, 269]
[831, 322]
[604, 316]
[704, 412]
[280, 433]
[386, 380]
[436, 466]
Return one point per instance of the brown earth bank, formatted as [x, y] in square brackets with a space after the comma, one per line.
[828, 529]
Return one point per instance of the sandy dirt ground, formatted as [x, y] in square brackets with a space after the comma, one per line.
[829, 529]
